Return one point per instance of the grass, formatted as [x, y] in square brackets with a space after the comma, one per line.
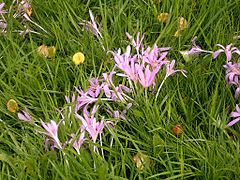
[201, 103]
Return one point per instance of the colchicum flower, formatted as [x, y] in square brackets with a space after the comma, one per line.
[146, 76]
[83, 99]
[92, 26]
[194, 51]
[90, 124]
[52, 132]
[232, 76]
[1, 9]
[228, 50]
[79, 142]
[170, 71]
[24, 116]
[235, 115]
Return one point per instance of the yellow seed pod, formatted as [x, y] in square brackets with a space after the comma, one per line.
[177, 33]
[43, 50]
[182, 23]
[163, 17]
[12, 106]
[51, 52]
[141, 161]
[78, 58]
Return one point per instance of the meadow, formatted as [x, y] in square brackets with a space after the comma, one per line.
[127, 89]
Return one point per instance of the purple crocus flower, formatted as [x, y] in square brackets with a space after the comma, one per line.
[78, 143]
[111, 91]
[126, 63]
[120, 114]
[138, 43]
[236, 115]
[229, 50]
[155, 56]
[92, 26]
[232, 76]
[24, 116]
[118, 94]
[194, 51]
[90, 124]
[83, 99]
[146, 76]
[170, 71]
[1, 9]
[232, 73]
[94, 88]
[52, 131]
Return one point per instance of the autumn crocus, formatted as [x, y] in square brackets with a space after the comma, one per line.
[155, 56]
[235, 115]
[112, 92]
[83, 99]
[169, 72]
[232, 73]
[79, 142]
[52, 132]
[170, 69]
[90, 123]
[92, 25]
[137, 44]
[24, 116]
[228, 50]
[194, 51]
[126, 63]
[1, 9]
[95, 88]
[147, 76]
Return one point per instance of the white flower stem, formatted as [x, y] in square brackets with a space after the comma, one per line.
[160, 87]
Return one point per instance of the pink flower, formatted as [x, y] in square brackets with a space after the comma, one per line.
[24, 116]
[229, 50]
[138, 43]
[126, 63]
[232, 76]
[1, 9]
[78, 143]
[92, 26]
[52, 131]
[94, 88]
[111, 91]
[155, 56]
[232, 73]
[170, 71]
[90, 124]
[236, 115]
[83, 99]
[146, 76]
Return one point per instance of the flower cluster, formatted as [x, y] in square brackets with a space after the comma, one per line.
[144, 65]
[103, 96]
[232, 73]
[138, 66]
[21, 10]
